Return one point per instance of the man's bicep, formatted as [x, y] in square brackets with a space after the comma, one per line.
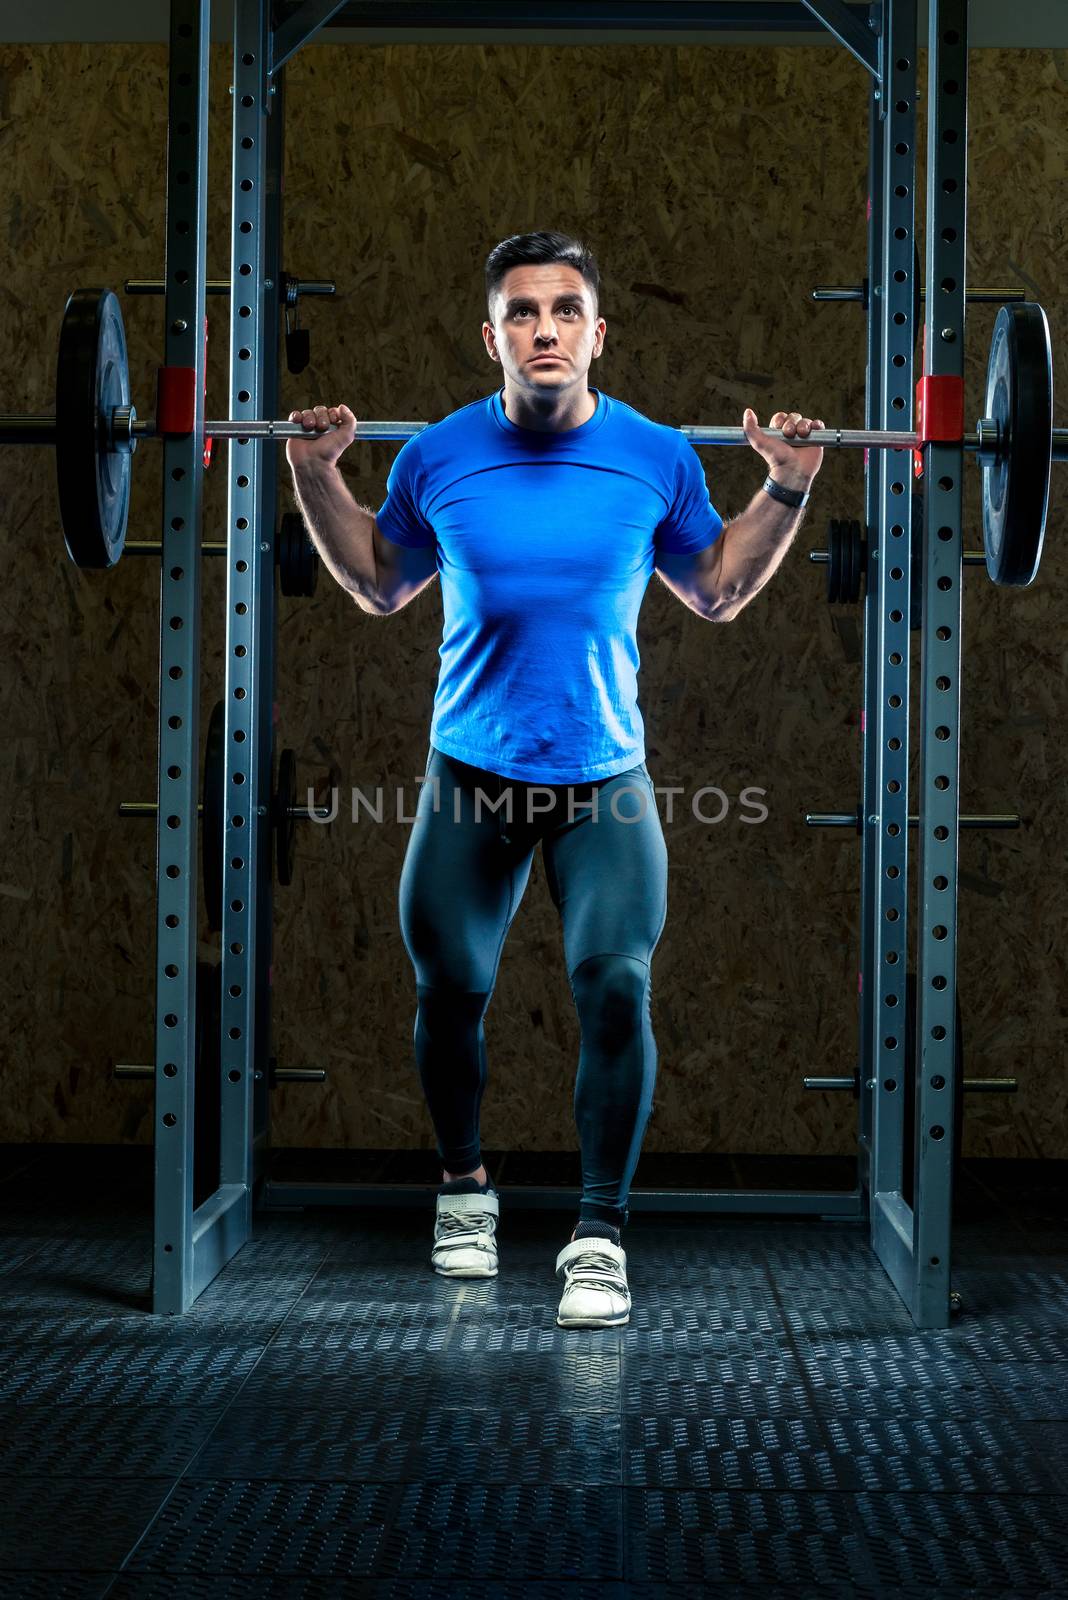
[402, 570]
[692, 576]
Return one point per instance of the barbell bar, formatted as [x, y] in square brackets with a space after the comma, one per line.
[96, 430]
[126, 432]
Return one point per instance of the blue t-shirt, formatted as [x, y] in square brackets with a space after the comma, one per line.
[545, 545]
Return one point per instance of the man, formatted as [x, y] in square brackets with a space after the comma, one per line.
[544, 508]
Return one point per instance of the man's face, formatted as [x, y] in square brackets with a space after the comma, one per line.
[545, 329]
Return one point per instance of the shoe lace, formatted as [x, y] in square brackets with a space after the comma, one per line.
[594, 1266]
[467, 1227]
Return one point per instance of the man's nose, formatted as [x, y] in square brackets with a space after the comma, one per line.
[546, 330]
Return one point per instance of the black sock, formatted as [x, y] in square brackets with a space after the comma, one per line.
[592, 1228]
[467, 1186]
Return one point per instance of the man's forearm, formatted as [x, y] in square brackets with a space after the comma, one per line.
[341, 530]
[753, 546]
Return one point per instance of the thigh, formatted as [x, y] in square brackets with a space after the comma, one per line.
[607, 872]
[460, 885]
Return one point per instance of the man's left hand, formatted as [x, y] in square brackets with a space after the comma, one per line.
[791, 465]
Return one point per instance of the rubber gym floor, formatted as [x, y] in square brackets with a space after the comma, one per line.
[331, 1419]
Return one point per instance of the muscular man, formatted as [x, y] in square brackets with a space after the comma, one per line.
[544, 508]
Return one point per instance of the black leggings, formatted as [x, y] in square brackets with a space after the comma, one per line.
[465, 870]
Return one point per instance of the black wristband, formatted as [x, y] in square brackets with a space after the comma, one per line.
[787, 497]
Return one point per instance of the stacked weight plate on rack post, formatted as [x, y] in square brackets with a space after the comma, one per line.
[283, 815]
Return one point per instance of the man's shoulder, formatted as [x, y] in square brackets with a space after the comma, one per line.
[660, 435]
[464, 421]
[472, 414]
[437, 441]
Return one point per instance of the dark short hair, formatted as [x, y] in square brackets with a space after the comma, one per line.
[538, 249]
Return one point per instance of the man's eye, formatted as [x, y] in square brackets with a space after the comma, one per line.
[522, 311]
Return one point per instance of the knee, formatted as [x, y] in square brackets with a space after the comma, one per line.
[447, 1011]
[610, 995]
[453, 967]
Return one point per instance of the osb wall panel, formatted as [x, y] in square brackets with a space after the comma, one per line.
[717, 187]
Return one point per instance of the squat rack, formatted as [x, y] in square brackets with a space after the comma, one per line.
[192, 1245]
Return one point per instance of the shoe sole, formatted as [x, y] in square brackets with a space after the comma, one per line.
[445, 1272]
[593, 1322]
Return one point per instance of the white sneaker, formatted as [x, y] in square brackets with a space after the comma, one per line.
[595, 1284]
[465, 1245]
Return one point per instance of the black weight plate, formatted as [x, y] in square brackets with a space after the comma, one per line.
[844, 562]
[856, 545]
[211, 820]
[285, 799]
[207, 1087]
[296, 558]
[840, 543]
[834, 569]
[848, 594]
[1019, 398]
[284, 549]
[92, 378]
[909, 1151]
[298, 349]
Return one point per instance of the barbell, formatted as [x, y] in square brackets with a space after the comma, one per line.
[96, 430]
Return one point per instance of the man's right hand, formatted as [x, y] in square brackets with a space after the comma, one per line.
[320, 447]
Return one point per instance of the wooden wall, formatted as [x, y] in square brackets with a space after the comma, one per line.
[717, 186]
